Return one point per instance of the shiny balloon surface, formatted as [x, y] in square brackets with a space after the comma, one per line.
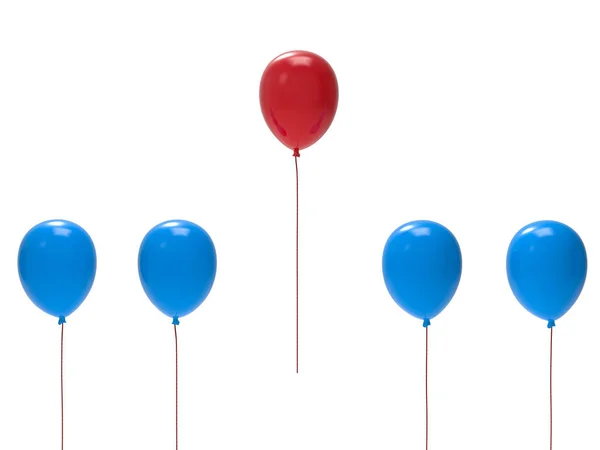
[422, 266]
[546, 267]
[57, 266]
[177, 266]
[299, 98]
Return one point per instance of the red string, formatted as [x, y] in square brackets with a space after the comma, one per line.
[551, 332]
[426, 388]
[62, 414]
[176, 392]
[296, 156]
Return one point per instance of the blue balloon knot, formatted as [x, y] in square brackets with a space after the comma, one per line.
[426, 323]
[175, 320]
[550, 323]
[62, 320]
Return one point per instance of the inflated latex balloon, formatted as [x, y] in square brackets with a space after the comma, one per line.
[57, 266]
[298, 98]
[177, 266]
[546, 266]
[422, 266]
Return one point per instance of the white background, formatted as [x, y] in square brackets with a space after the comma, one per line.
[121, 114]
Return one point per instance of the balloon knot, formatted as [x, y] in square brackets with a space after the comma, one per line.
[296, 152]
[62, 320]
[550, 323]
[426, 323]
[175, 320]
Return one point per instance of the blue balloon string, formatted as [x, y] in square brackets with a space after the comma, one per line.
[426, 388]
[551, 333]
[62, 396]
[426, 323]
[175, 320]
[176, 388]
[62, 320]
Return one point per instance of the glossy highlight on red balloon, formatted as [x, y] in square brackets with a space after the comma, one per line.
[298, 98]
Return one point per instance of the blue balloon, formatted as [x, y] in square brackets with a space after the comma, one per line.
[57, 266]
[177, 266]
[422, 265]
[546, 266]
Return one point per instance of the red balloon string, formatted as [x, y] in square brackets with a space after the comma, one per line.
[296, 156]
[176, 392]
[62, 414]
[551, 332]
[426, 388]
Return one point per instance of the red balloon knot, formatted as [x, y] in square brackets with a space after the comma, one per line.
[296, 152]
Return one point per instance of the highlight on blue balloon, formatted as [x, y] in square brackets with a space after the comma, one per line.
[57, 266]
[422, 266]
[177, 265]
[546, 267]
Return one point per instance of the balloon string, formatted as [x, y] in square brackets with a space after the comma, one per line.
[176, 392]
[426, 388]
[551, 332]
[62, 414]
[296, 155]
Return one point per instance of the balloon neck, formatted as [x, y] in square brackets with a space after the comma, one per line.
[296, 152]
[551, 323]
[175, 320]
[426, 323]
[62, 320]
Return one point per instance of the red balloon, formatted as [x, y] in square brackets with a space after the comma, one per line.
[298, 98]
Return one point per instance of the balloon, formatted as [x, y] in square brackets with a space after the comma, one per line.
[298, 98]
[177, 265]
[546, 266]
[422, 265]
[57, 266]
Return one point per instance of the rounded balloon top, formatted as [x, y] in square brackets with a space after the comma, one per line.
[546, 266]
[422, 266]
[57, 266]
[298, 98]
[177, 267]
